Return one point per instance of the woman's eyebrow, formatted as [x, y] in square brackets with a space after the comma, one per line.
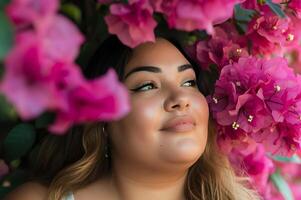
[156, 69]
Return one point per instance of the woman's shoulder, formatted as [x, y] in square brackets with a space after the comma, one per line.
[28, 191]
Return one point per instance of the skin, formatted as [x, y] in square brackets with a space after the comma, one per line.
[148, 162]
[145, 159]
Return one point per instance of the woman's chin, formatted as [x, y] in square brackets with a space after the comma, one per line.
[185, 151]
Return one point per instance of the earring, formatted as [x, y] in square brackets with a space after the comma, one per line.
[106, 145]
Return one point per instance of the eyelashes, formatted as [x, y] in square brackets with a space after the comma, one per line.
[144, 87]
[150, 85]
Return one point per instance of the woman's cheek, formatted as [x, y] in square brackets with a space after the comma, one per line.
[140, 129]
[147, 111]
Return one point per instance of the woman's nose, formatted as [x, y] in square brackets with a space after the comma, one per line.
[177, 101]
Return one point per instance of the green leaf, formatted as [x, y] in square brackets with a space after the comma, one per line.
[19, 141]
[7, 112]
[241, 28]
[15, 163]
[6, 35]
[242, 18]
[72, 11]
[276, 8]
[294, 159]
[282, 186]
[3, 3]
[243, 15]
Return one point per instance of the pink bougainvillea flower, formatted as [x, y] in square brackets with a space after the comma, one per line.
[29, 65]
[293, 56]
[214, 48]
[260, 45]
[100, 99]
[3, 168]
[224, 98]
[281, 139]
[260, 97]
[296, 6]
[295, 188]
[250, 113]
[26, 82]
[24, 12]
[259, 167]
[291, 172]
[132, 23]
[60, 39]
[251, 4]
[219, 50]
[248, 157]
[195, 14]
[35, 81]
[228, 140]
[269, 33]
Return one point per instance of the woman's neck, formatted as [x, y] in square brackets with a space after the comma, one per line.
[137, 184]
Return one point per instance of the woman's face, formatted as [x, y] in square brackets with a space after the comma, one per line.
[168, 121]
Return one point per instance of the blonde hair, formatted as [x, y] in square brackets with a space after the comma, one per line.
[211, 177]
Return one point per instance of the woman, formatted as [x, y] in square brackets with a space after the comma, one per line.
[161, 150]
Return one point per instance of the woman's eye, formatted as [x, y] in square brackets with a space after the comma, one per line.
[190, 83]
[144, 87]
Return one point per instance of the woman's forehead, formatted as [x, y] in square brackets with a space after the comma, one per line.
[158, 53]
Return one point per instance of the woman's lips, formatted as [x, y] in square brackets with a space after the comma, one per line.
[179, 124]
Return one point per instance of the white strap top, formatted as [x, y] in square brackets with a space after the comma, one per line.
[69, 196]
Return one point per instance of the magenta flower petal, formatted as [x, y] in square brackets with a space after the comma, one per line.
[60, 38]
[101, 99]
[195, 14]
[261, 99]
[3, 168]
[133, 23]
[24, 12]
[26, 82]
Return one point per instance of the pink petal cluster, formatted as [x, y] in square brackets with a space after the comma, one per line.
[269, 33]
[221, 49]
[291, 172]
[132, 23]
[40, 74]
[251, 4]
[28, 12]
[260, 99]
[247, 157]
[83, 104]
[296, 6]
[195, 14]
[293, 56]
[258, 167]
[3, 168]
